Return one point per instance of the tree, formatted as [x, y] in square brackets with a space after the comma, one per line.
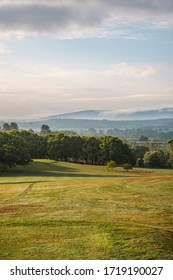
[91, 149]
[37, 144]
[140, 162]
[14, 126]
[76, 146]
[171, 152]
[143, 138]
[13, 150]
[59, 147]
[111, 164]
[45, 129]
[6, 126]
[112, 148]
[138, 151]
[127, 166]
[156, 159]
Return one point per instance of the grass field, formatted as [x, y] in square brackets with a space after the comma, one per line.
[56, 210]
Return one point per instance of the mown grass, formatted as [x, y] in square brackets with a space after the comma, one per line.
[56, 210]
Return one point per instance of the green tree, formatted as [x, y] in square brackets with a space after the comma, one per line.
[6, 126]
[171, 152]
[45, 129]
[140, 162]
[111, 164]
[143, 138]
[127, 166]
[91, 149]
[76, 148]
[14, 126]
[112, 148]
[138, 151]
[13, 150]
[59, 147]
[156, 159]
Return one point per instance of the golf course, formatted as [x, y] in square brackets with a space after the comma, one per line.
[57, 210]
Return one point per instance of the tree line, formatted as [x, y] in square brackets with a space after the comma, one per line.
[141, 134]
[20, 147]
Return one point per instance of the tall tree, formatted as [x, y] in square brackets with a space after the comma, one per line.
[6, 126]
[13, 150]
[14, 126]
[45, 129]
[112, 148]
[156, 159]
[91, 149]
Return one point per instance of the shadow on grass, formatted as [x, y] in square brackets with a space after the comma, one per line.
[53, 169]
[63, 175]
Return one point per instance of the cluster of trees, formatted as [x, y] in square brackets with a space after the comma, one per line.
[151, 156]
[11, 126]
[20, 147]
[13, 150]
[142, 134]
[145, 133]
[112, 165]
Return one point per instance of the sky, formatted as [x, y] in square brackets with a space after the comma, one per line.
[59, 56]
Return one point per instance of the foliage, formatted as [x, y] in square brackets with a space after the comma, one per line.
[111, 164]
[91, 149]
[6, 126]
[45, 129]
[143, 138]
[82, 149]
[13, 150]
[138, 151]
[127, 166]
[112, 148]
[37, 144]
[13, 125]
[156, 159]
[140, 162]
[171, 153]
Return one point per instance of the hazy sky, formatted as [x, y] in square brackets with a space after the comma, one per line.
[61, 56]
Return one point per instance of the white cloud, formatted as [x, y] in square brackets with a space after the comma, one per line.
[4, 49]
[131, 70]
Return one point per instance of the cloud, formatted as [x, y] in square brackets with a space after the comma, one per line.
[48, 89]
[131, 70]
[4, 50]
[75, 18]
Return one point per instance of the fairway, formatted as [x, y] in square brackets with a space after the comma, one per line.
[56, 210]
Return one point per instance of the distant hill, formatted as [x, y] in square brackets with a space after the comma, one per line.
[166, 113]
[147, 115]
[88, 114]
[78, 124]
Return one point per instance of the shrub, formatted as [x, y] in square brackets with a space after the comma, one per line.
[111, 164]
[127, 166]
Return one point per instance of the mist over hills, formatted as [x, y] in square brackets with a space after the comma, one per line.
[160, 120]
[111, 115]
[87, 114]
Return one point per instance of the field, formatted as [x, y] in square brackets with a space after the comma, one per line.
[56, 210]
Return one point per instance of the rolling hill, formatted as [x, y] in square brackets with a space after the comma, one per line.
[112, 115]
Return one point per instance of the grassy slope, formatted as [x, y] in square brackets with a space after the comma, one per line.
[53, 210]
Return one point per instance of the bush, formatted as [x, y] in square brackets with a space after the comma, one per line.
[127, 166]
[111, 164]
[156, 159]
[140, 162]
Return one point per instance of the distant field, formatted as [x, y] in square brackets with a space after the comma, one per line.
[57, 210]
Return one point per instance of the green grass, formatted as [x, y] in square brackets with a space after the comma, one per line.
[57, 210]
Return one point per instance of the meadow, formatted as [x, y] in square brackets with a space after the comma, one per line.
[56, 210]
